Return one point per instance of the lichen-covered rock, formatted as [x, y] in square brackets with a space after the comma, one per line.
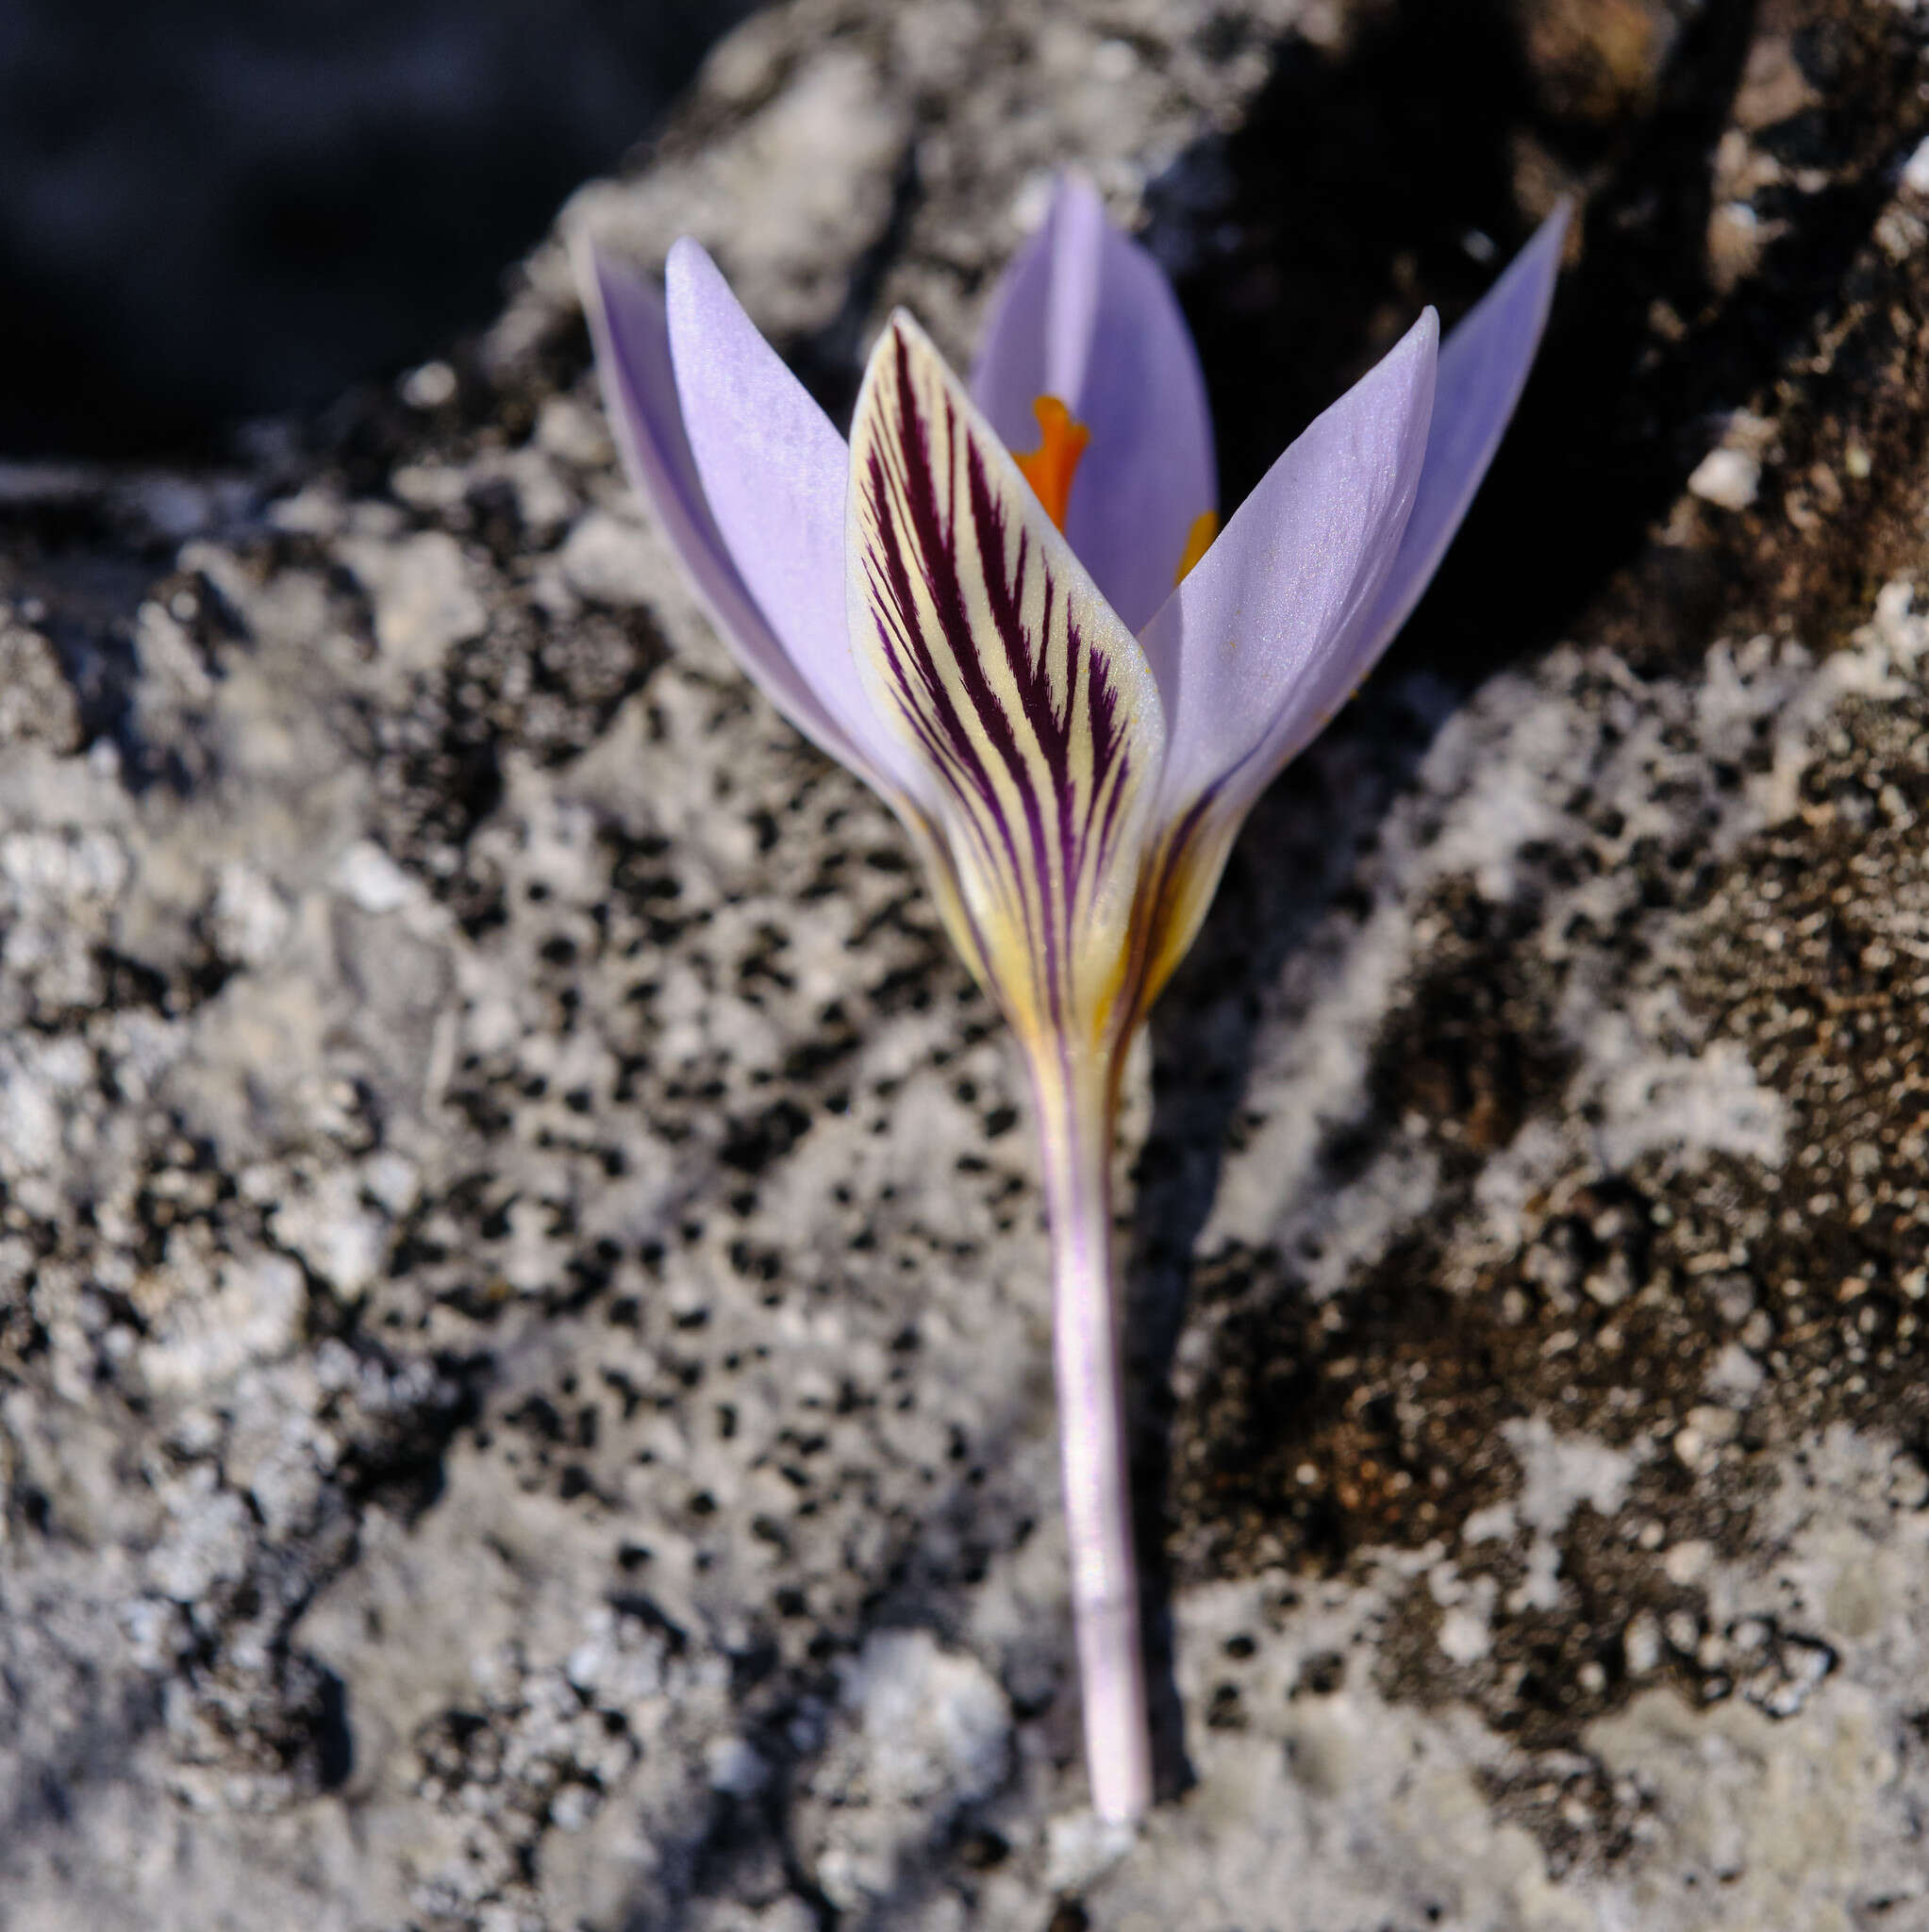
[524, 1391]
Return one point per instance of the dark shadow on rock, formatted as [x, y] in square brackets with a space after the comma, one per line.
[829, 361]
[217, 211]
[1362, 186]
[1290, 870]
[334, 1737]
[1652, 346]
[92, 1754]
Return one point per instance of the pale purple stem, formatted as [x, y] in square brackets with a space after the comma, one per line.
[1074, 1112]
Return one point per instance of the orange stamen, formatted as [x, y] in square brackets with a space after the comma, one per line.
[1198, 541]
[1050, 468]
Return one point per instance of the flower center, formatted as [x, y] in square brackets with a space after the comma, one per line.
[1050, 468]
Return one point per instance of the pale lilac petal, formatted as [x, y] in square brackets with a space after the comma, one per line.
[1039, 335]
[632, 338]
[1236, 647]
[1086, 315]
[1484, 365]
[1148, 474]
[775, 474]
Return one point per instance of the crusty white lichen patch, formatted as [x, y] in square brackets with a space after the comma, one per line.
[1501, 779]
[1320, 1804]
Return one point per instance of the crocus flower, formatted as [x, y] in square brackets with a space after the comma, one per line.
[1005, 606]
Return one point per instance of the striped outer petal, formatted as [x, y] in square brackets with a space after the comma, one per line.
[980, 633]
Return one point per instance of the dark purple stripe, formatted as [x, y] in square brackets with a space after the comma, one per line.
[1172, 854]
[901, 488]
[1031, 674]
[941, 729]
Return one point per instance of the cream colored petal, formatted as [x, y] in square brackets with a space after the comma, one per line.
[981, 635]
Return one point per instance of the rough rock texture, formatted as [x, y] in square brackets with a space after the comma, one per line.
[524, 1381]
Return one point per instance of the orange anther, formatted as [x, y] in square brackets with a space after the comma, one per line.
[1198, 541]
[1050, 468]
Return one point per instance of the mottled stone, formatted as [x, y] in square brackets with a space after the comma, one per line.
[524, 1391]
[423, 600]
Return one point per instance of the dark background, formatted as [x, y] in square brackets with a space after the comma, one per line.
[213, 209]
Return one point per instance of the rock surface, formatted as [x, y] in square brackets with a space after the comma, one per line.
[523, 1376]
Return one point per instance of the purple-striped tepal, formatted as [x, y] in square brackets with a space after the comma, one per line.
[1066, 682]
